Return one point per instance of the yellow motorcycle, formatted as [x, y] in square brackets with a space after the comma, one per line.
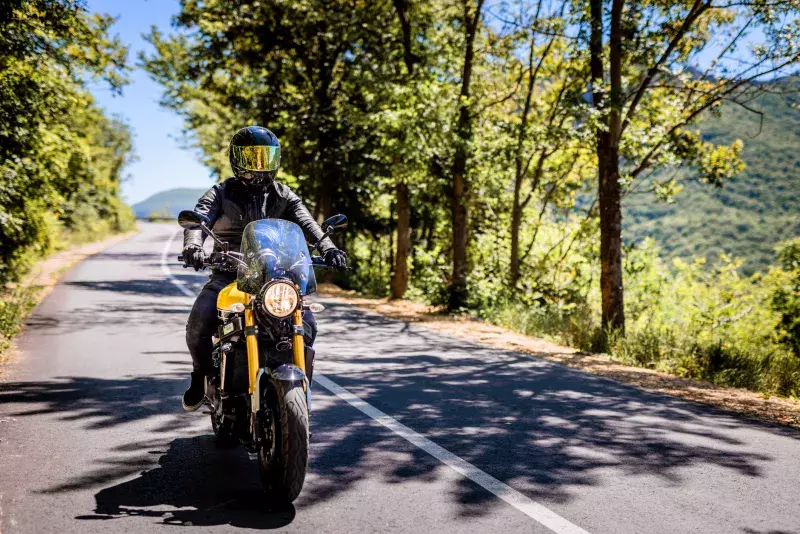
[260, 391]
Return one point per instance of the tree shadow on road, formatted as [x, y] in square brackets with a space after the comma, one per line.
[194, 483]
[542, 428]
[128, 315]
[96, 403]
[539, 427]
[143, 287]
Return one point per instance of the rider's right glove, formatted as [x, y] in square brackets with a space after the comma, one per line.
[194, 256]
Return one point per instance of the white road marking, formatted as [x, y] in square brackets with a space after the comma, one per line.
[165, 268]
[529, 507]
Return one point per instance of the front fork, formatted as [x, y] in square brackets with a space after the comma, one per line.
[298, 342]
[251, 339]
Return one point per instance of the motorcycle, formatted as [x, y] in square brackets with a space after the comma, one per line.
[260, 390]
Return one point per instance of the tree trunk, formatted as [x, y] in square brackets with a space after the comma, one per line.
[516, 220]
[609, 190]
[399, 282]
[611, 243]
[400, 274]
[458, 285]
[519, 172]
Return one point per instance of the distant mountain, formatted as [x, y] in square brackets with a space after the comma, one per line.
[168, 203]
[751, 213]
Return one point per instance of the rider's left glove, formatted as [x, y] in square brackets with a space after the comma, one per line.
[336, 258]
[194, 256]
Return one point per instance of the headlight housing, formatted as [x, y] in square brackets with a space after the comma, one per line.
[279, 299]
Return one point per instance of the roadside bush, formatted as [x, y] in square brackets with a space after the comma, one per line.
[708, 322]
[786, 296]
[15, 303]
[689, 319]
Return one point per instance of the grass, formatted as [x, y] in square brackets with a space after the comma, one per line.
[15, 304]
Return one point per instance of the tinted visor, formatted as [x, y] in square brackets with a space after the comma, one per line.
[256, 158]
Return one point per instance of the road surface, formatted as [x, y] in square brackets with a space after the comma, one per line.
[413, 431]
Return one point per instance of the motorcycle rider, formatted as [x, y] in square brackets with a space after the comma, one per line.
[251, 194]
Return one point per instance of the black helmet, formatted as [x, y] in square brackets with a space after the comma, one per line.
[255, 155]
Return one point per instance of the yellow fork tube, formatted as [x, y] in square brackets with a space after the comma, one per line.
[298, 343]
[252, 346]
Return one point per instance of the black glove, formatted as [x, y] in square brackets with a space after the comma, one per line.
[336, 258]
[194, 256]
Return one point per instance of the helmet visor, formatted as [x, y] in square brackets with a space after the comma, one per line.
[256, 158]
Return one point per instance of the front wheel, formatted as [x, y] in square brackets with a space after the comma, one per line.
[283, 455]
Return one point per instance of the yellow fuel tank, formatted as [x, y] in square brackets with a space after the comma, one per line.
[230, 295]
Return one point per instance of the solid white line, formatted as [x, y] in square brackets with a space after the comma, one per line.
[529, 507]
[165, 268]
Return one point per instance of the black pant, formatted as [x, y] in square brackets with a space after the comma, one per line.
[203, 322]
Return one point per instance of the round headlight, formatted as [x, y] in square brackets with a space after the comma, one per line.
[280, 300]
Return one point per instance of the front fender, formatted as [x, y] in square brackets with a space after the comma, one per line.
[288, 373]
[290, 376]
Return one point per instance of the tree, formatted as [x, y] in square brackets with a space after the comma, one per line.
[400, 275]
[548, 144]
[58, 152]
[649, 86]
[301, 68]
[470, 22]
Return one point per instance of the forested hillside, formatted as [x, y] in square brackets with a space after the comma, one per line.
[752, 212]
[61, 156]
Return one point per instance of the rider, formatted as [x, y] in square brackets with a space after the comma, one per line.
[250, 195]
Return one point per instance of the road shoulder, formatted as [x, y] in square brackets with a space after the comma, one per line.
[741, 401]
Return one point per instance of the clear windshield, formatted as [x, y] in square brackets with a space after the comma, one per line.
[274, 248]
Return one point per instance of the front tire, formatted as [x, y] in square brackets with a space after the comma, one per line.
[283, 460]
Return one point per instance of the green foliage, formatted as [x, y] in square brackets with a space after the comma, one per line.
[786, 296]
[709, 322]
[61, 158]
[755, 210]
[15, 303]
[690, 319]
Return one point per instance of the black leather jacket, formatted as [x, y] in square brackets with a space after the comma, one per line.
[232, 204]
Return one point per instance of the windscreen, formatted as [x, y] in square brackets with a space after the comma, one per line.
[274, 248]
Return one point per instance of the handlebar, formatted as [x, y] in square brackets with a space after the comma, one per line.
[221, 263]
[215, 259]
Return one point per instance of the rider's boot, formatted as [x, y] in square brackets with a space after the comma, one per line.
[194, 397]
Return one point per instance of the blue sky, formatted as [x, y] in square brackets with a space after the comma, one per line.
[162, 163]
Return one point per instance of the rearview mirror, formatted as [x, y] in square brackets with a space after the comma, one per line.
[191, 220]
[334, 224]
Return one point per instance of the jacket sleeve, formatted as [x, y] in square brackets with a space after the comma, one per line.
[297, 212]
[208, 205]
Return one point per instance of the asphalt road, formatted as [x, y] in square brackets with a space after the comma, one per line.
[421, 432]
